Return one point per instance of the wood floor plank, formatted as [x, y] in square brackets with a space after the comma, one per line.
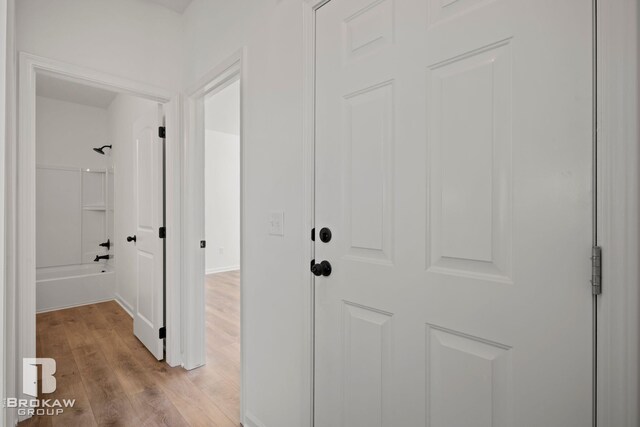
[70, 386]
[54, 343]
[41, 421]
[153, 406]
[93, 318]
[133, 378]
[196, 407]
[108, 400]
[77, 332]
[115, 315]
[117, 382]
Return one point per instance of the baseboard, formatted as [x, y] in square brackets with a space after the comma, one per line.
[222, 269]
[64, 307]
[125, 306]
[250, 420]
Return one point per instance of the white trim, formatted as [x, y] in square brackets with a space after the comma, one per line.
[29, 66]
[26, 222]
[173, 222]
[251, 420]
[193, 314]
[4, 105]
[221, 269]
[618, 213]
[308, 197]
[82, 304]
[10, 303]
[125, 305]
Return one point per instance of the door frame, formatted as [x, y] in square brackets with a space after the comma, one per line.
[618, 211]
[5, 46]
[192, 306]
[618, 204]
[25, 224]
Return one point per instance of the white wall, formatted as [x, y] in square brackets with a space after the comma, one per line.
[222, 179]
[66, 134]
[274, 293]
[133, 39]
[222, 201]
[122, 114]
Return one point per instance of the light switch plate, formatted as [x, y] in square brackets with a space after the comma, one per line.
[276, 223]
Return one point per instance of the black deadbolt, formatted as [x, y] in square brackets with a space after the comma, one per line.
[325, 235]
[131, 238]
[322, 269]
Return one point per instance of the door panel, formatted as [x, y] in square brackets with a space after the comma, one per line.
[467, 369]
[469, 161]
[368, 173]
[453, 168]
[149, 193]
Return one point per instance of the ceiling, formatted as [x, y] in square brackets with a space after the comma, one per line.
[65, 90]
[175, 5]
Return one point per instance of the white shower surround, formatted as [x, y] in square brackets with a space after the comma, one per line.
[73, 285]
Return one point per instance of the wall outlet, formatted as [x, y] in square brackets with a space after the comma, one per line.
[276, 223]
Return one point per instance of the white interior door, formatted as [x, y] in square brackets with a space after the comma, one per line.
[453, 167]
[149, 191]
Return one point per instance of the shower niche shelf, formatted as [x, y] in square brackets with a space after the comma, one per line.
[94, 213]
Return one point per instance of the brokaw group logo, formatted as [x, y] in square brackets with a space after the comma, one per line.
[30, 375]
[35, 406]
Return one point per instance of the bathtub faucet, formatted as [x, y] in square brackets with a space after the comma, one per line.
[99, 257]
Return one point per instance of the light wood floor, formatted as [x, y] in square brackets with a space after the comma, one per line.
[116, 381]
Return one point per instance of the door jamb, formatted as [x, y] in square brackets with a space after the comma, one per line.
[618, 210]
[28, 67]
[309, 9]
[5, 55]
[192, 307]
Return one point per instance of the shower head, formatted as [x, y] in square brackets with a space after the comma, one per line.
[101, 149]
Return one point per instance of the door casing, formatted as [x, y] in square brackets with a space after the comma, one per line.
[192, 295]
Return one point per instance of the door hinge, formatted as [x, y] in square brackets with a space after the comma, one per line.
[596, 270]
[162, 132]
[313, 234]
[162, 333]
[162, 232]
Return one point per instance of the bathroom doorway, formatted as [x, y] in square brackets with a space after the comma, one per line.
[98, 149]
[92, 150]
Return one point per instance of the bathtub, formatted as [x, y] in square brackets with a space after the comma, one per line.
[73, 285]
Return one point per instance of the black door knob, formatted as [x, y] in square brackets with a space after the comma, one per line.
[321, 269]
[325, 235]
[131, 238]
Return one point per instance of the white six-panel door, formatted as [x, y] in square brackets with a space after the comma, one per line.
[453, 168]
[149, 309]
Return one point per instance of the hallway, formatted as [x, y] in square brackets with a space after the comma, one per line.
[117, 382]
